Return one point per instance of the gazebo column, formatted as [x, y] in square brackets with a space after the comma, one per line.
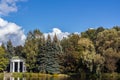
[10, 66]
[18, 69]
[18, 78]
[12, 78]
[13, 67]
[22, 66]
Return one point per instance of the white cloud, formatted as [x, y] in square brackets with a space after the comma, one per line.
[7, 6]
[58, 32]
[9, 30]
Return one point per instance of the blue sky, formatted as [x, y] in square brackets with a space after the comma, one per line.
[67, 15]
[18, 17]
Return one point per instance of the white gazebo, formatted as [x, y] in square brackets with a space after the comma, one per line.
[17, 64]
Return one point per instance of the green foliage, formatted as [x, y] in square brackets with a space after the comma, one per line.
[112, 76]
[94, 51]
[92, 33]
[20, 75]
[1, 75]
[41, 58]
[31, 50]
[10, 50]
[19, 51]
[48, 57]
[3, 60]
[70, 57]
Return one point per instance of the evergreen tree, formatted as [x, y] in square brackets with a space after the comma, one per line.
[49, 56]
[57, 49]
[3, 46]
[41, 58]
[19, 51]
[10, 50]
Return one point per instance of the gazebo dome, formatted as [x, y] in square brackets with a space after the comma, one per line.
[16, 58]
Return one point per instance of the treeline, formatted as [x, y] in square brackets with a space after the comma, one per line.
[93, 51]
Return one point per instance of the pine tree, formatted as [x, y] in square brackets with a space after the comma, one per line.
[41, 58]
[53, 50]
[10, 49]
[49, 60]
[48, 57]
[57, 53]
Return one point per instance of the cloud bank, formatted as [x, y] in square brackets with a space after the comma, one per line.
[14, 32]
[11, 31]
[58, 32]
[8, 6]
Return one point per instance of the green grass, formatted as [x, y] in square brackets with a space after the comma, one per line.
[1, 76]
[17, 75]
[37, 75]
[111, 75]
[41, 75]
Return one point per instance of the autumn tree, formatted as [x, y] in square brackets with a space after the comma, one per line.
[92, 34]
[91, 62]
[107, 44]
[70, 53]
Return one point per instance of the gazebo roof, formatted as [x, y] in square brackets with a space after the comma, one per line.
[16, 58]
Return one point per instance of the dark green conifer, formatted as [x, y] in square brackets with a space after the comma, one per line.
[10, 50]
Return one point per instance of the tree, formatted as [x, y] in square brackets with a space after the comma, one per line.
[57, 53]
[3, 60]
[19, 51]
[48, 57]
[117, 28]
[70, 57]
[91, 62]
[53, 49]
[107, 44]
[3, 46]
[111, 60]
[41, 58]
[31, 49]
[10, 50]
[92, 34]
